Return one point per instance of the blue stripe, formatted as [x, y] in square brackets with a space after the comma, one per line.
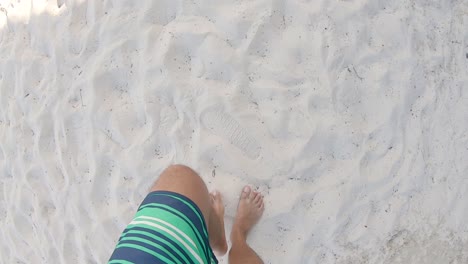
[166, 247]
[156, 197]
[122, 235]
[197, 225]
[192, 216]
[168, 239]
[137, 256]
[205, 242]
[169, 199]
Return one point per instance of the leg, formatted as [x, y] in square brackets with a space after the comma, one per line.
[183, 180]
[248, 213]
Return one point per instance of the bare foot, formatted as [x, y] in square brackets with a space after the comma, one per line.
[249, 211]
[216, 229]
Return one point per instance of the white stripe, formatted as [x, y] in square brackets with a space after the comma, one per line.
[173, 234]
[173, 227]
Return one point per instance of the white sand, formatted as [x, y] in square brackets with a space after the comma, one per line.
[351, 116]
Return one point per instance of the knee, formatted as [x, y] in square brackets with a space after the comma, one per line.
[180, 170]
[175, 176]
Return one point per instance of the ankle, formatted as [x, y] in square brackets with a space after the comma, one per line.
[237, 234]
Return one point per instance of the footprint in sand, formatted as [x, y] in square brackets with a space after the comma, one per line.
[223, 125]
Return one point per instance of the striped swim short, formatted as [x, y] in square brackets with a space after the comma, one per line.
[167, 228]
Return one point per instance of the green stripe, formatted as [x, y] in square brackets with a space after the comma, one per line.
[176, 213]
[147, 251]
[160, 240]
[164, 232]
[120, 261]
[168, 214]
[176, 228]
[200, 217]
[149, 242]
[190, 205]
